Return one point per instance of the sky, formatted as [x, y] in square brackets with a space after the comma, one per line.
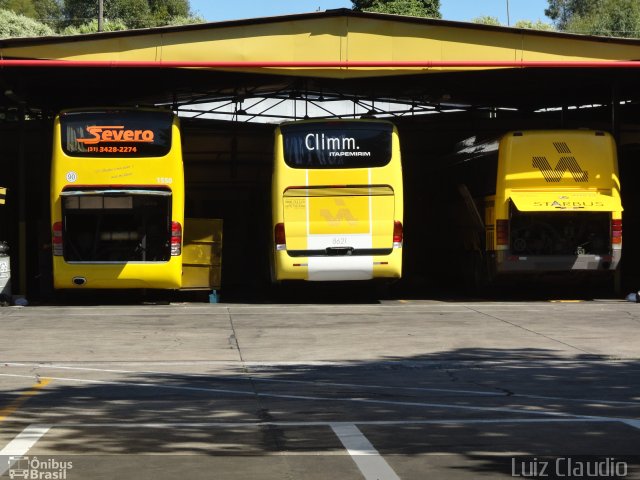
[461, 10]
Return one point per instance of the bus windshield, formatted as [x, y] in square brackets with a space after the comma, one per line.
[337, 145]
[105, 134]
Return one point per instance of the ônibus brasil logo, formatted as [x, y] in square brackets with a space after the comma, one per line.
[38, 469]
[115, 134]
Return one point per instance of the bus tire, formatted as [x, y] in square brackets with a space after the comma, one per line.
[616, 282]
[475, 272]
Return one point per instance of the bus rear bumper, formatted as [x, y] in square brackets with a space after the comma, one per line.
[338, 268]
[165, 275]
[507, 263]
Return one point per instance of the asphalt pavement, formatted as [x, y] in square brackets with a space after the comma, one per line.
[380, 390]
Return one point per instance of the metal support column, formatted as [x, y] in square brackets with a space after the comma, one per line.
[615, 111]
[22, 204]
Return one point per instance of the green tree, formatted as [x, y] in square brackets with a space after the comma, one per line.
[620, 18]
[561, 11]
[21, 7]
[191, 19]
[92, 27]
[414, 8]
[612, 18]
[134, 13]
[173, 12]
[537, 25]
[487, 20]
[15, 25]
[81, 14]
[170, 8]
[49, 12]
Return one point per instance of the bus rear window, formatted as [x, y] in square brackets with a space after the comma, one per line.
[337, 145]
[119, 134]
[117, 228]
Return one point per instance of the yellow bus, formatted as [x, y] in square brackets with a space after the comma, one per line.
[337, 201]
[541, 201]
[117, 199]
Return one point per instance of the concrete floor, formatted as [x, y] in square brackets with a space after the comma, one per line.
[395, 389]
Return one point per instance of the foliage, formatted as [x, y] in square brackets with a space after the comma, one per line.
[191, 19]
[15, 25]
[81, 14]
[21, 7]
[170, 8]
[92, 27]
[48, 12]
[561, 11]
[537, 25]
[612, 18]
[618, 18]
[487, 20]
[414, 8]
[134, 13]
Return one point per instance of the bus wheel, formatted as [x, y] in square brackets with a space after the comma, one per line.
[475, 273]
[616, 283]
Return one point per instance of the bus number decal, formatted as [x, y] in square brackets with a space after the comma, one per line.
[166, 180]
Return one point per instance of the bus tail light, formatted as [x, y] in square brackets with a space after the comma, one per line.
[176, 239]
[397, 234]
[280, 237]
[502, 232]
[616, 232]
[57, 239]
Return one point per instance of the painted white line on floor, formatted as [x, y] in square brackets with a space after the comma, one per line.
[327, 423]
[348, 313]
[120, 315]
[251, 393]
[21, 445]
[365, 456]
[632, 423]
[399, 306]
[252, 377]
[43, 366]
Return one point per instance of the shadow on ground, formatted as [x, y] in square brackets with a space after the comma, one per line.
[476, 400]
